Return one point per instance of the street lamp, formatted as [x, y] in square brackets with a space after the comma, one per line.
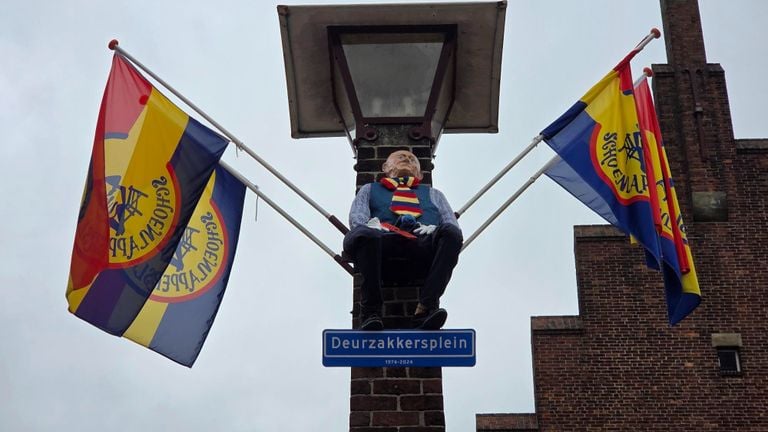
[393, 74]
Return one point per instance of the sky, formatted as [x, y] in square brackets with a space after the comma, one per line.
[260, 369]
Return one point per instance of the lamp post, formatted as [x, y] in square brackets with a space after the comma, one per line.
[392, 77]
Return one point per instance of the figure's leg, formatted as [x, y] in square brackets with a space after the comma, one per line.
[364, 245]
[446, 245]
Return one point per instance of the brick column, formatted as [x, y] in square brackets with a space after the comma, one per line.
[694, 116]
[683, 34]
[394, 399]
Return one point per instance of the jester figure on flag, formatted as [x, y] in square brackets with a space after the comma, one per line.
[149, 165]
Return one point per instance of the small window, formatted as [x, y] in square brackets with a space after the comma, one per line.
[728, 358]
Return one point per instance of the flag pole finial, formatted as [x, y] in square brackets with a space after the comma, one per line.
[648, 71]
[113, 44]
[653, 34]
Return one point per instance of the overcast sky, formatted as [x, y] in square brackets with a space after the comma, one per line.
[260, 369]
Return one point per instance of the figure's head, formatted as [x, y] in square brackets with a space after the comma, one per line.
[402, 163]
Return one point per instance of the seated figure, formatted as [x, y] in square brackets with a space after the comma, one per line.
[398, 217]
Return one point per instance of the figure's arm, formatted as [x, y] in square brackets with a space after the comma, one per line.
[360, 211]
[446, 212]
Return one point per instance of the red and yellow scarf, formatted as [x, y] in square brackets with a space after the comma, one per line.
[404, 199]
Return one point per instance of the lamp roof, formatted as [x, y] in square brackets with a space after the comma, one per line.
[480, 33]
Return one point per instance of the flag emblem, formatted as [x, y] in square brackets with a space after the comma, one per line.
[199, 259]
[177, 317]
[615, 144]
[618, 160]
[140, 218]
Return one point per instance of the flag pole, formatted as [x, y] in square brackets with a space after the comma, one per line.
[647, 73]
[336, 257]
[511, 199]
[114, 45]
[653, 34]
[501, 174]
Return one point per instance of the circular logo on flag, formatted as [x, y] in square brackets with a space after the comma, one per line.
[617, 154]
[142, 215]
[199, 259]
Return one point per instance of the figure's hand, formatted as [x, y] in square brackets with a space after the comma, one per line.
[375, 223]
[406, 222]
[424, 229]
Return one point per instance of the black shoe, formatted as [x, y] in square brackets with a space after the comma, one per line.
[371, 322]
[430, 320]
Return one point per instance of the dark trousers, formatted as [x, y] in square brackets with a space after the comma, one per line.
[376, 253]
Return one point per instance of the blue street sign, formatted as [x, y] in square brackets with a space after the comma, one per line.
[399, 348]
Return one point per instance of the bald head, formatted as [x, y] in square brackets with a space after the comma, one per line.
[402, 163]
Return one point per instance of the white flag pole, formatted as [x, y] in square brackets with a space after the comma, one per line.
[653, 34]
[647, 73]
[511, 199]
[113, 45]
[501, 174]
[288, 217]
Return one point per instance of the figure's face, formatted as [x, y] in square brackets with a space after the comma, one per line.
[402, 163]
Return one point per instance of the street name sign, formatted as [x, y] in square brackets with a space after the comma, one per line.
[399, 348]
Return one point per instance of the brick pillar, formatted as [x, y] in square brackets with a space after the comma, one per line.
[396, 400]
[683, 35]
[391, 399]
[694, 115]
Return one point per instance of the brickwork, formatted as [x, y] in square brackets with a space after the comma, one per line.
[683, 47]
[394, 399]
[403, 399]
[506, 423]
[618, 365]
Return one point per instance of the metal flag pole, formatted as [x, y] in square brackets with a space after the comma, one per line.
[501, 174]
[647, 73]
[336, 257]
[653, 34]
[113, 45]
[511, 199]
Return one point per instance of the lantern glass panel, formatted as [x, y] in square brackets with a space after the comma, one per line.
[392, 73]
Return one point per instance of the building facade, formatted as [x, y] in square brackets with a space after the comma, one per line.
[618, 365]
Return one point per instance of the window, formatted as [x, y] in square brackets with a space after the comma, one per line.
[728, 346]
[729, 360]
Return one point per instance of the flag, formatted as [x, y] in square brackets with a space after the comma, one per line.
[149, 165]
[680, 282]
[598, 141]
[178, 315]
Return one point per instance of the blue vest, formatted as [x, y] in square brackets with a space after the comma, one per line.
[381, 199]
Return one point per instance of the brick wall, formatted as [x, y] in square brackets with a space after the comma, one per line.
[396, 400]
[506, 423]
[618, 365]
